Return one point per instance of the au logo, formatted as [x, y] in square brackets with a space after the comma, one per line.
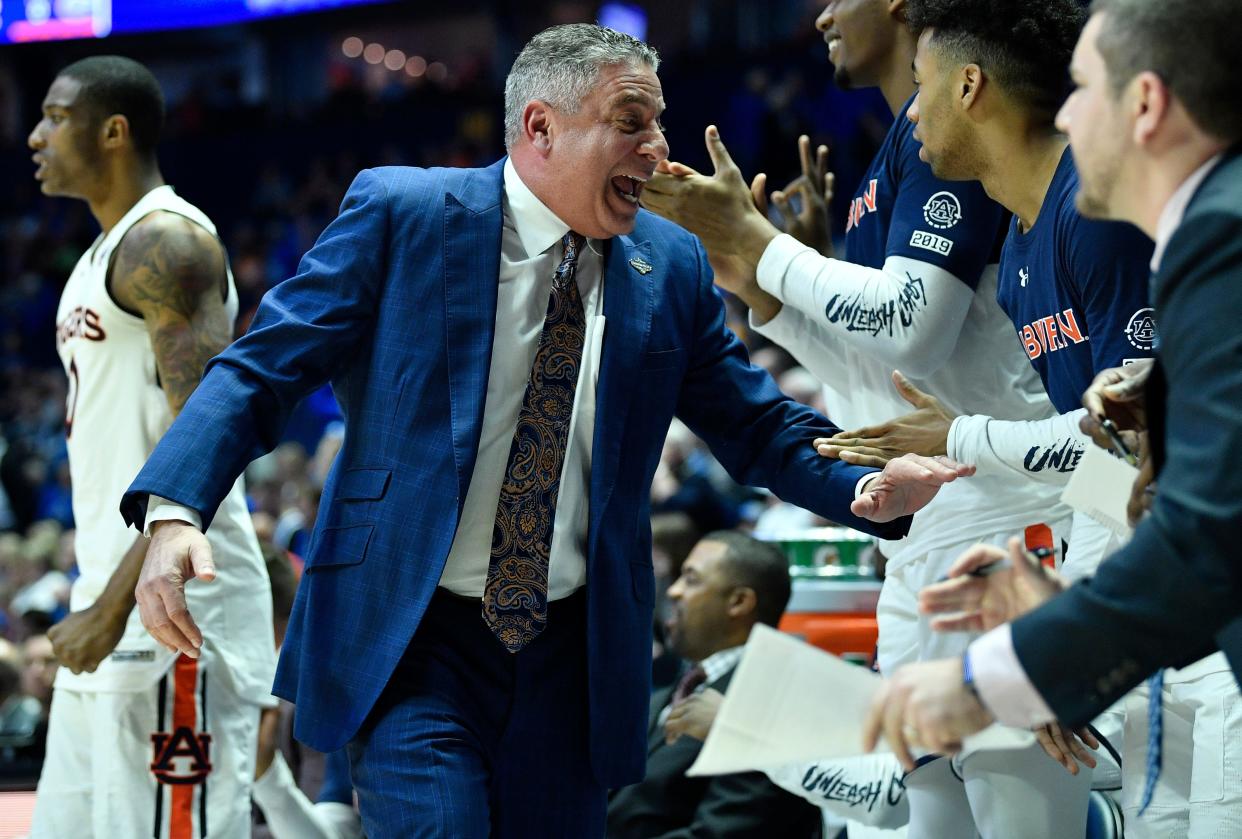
[942, 210]
[1141, 331]
[182, 757]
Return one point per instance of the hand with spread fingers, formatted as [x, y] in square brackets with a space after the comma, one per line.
[925, 705]
[906, 485]
[719, 209]
[808, 222]
[1066, 747]
[693, 716]
[980, 594]
[1117, 394]
[924, 432]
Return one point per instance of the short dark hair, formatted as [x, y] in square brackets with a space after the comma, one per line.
[759, 566]
[1025, 47]
[1189, 44]
[113, 84]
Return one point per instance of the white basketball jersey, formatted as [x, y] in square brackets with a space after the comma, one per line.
[116, 413]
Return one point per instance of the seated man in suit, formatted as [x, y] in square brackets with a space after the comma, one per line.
[729, 583]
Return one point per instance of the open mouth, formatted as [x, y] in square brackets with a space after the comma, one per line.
[628, 187]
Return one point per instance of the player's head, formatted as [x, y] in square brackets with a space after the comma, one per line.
[582, 124]
[728, 583]
[1149, 77]
[100, 109]
[861, 36]
[978, 60]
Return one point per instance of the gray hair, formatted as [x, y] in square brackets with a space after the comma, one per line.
[560, 66]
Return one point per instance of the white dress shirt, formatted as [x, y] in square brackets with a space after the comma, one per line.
[530, 251]
[1003, 686]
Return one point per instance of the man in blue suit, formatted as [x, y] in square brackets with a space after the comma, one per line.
[508, 346]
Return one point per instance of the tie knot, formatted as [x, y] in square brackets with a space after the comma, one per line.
[573, 243]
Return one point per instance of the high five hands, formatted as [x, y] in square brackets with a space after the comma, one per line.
[924, 432]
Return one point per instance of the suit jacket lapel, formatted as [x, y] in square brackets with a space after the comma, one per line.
[627, 314]
[472, 229]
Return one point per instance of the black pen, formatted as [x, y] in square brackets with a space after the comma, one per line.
[1110, 428]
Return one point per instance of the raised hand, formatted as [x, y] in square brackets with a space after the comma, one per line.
[178, 552]
[809, 222]
[906, 486]
[719, 209]
[981, 592]
[925, 432]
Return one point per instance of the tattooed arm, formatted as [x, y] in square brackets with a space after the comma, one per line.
[170, 271]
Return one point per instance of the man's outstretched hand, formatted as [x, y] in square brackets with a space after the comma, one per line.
[925, 432]
[178, 552]
[906, 486]
[719, 209]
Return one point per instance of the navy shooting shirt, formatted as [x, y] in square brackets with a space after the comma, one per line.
[1076, 290]
[902, 209]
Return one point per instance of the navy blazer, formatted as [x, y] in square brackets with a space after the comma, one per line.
[1174, 593]
[396, 305]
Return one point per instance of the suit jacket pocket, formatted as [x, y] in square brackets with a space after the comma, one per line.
[339, 546]
[363, 484]
[663, 360]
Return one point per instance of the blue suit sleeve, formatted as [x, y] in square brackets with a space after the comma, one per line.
[758, 434]
[304, 328]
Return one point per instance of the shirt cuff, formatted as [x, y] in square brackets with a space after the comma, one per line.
[780, 326]
[770, 272]
[858, 487]
[1002, 684]
[162, 510]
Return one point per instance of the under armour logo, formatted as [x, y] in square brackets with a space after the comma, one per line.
[1024, 274]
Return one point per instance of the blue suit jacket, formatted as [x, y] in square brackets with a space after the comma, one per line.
[396, 305]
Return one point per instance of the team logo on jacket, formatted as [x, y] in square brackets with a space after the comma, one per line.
[1047, 335]
[182, 757]
[942, 210]
[863, 204]
[1141, 330]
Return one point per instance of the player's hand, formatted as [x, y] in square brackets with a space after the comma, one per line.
[177, 553]
[1117, 394]
[808, 223]
[1066, 747]
[925, 432]
[966, 602]
[693, 716]
[83, 639]
[924, 705]
[719, 209]
[906, 486]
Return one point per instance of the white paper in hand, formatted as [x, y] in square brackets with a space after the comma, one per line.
[1100, 488]
[788, 701]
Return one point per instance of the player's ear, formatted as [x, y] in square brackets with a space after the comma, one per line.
[970, 85]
